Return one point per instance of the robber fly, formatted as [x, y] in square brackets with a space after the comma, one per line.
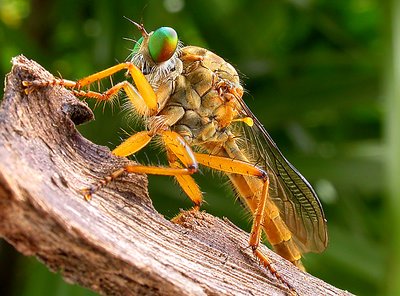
[191, 99]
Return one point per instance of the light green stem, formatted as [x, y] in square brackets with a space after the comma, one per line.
[392, 134]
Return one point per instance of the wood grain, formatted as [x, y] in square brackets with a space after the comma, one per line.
[116, 244]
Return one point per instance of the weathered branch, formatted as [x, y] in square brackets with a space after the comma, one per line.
[116, 244]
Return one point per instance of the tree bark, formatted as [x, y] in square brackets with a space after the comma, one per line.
[116, 244]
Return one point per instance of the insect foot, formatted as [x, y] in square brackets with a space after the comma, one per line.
[89, 191]
[28, 86]
[264, 260]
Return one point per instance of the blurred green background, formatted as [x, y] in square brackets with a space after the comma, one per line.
[323, 76]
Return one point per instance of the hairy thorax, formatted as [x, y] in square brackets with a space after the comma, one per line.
[202, 99]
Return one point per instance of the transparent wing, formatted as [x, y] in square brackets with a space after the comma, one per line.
[298, 203]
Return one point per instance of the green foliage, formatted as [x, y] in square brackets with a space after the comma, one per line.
[313, 70]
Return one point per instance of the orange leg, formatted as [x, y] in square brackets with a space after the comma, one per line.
[278, 233]
[144, 98]
[186, 182]
[243, 168]
[133, 144]
[233, 166]
[174, 143]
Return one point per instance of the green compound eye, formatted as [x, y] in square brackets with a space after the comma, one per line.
[137, 45]
[162, 44]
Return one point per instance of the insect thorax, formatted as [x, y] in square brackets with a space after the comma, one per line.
[204, 98]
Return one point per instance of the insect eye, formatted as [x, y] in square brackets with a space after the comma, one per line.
[138, 44]
[162, 44]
